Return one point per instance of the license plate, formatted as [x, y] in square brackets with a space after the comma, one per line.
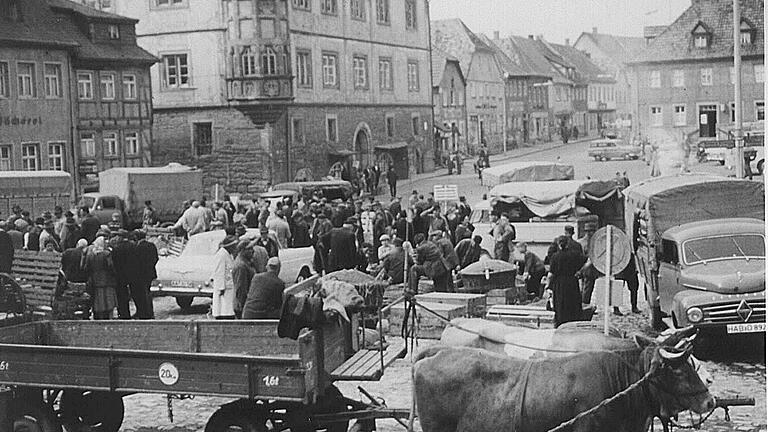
[181, 284]
[746, 328]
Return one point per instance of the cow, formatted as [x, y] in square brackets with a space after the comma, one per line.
[459, 389]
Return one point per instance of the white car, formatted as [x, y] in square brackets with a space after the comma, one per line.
[189, 275]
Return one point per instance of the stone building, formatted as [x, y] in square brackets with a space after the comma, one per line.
[449, 102]
[683, 81]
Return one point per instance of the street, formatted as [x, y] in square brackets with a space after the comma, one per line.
[738, 368]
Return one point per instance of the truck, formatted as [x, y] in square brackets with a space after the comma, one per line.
[36, 191]
[699, 247]
[124, 190]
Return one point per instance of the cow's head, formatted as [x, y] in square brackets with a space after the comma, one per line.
[674, 382]
[342, 292]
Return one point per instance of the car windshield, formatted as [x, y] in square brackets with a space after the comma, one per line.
[743, 246]
[203, 244]
[86, 202]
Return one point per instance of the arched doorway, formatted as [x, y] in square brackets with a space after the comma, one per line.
[362, 143]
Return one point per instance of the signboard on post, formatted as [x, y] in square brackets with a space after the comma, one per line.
[446, 192]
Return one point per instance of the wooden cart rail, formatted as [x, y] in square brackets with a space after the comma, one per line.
[37, 273]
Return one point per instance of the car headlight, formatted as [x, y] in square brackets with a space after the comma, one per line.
[694, 314]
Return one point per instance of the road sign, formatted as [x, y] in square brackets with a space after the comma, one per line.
[446, 192]
[620, 250]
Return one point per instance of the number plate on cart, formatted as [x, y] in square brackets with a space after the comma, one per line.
[746, 328]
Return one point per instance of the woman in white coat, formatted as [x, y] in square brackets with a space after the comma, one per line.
[223, 285]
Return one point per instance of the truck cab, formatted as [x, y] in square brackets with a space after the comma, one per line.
[103, 206]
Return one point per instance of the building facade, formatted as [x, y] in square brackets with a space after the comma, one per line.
[449, 102]
[684, 80]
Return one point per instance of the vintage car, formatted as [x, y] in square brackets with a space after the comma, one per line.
[189, 275]
[605, 149]
[277, 197]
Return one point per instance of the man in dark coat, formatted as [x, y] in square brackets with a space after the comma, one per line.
[71, 263]
[341, 246]
[89, 225]
[393, 264]
[146, 254]
[392, 181]
[126, 264]
[6, 250]
[265, 295]
[267, 242]
[320, 227]
[468, 251]
[430, 263]
[242, 274]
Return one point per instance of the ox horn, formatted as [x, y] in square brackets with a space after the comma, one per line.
[666, 355]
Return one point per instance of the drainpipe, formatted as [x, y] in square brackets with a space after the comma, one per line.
[430, 133]
[74, 170]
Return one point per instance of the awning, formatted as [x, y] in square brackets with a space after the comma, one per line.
[340, 152]
[391, 146]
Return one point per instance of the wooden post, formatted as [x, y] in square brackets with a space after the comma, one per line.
[608, 276]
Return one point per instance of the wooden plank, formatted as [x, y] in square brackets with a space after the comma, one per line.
[475, 303]
[353, 369]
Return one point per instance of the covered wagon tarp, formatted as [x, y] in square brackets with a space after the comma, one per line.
[35, 191]
[670, 201]
[605, 199]
[544, 199]
[527, 172]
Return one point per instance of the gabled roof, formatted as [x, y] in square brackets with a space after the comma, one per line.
[674, 44]
[453, 37]
[518, 57]
[38, 26]
[532, 51]
[89, 12]
[439, 60]
[508, 67]
[622, 49]
[583, 64]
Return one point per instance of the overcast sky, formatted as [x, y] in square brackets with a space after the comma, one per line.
[559, 19]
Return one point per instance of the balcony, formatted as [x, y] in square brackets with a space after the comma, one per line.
[260, 88]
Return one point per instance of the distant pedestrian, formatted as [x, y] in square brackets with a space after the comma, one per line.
[392, 181]
[655, 168]
[564, 284]
[242, 273]
[149, 215]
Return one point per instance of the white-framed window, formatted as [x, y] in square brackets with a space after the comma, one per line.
[176, 71]
[654, 79]
[302, 4]
[678, 78]
[30, 156]
[25, 72]
[114, 31]
[413, 75]
[706, 76]
[679, 115]
[416, 124]
[269, 61]
[410, 14]
[656, 116]
[87, 145]
[5, 158]
[759, 110]
[389, 125]
[382, 11]
[385, 73]
[111, 148]
[129, 87]
[331, 128]
[52, 76]
[168, 3]
[56, 156]
[360, 71]
[248, 62]
[700, 40]
[357, 9]
[5, 80]
[107, 82]
[759, 73]
[132, 143]
[303, 68]
[328, 7]
[746, 34]
[330, 70]
[84, 85]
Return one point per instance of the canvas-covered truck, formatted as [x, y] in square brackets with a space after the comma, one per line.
[124, 190]
[36, 191]
[699, 244]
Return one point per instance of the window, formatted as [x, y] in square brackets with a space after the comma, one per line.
[110, 144]
[706, 76]
[385, 73]
[331, 128]
[302, 4]
[129, 87]
[303, 68]
[87, 145]
[56, 156]
[176, 71]
[382, 11]
[84, 85]
[678, 78]
[114, 31]
[328, 7]
[297, 131]
[759, 110]
[166, 3]
[26, 75]
[132, 143]
[29, 157]
[413, 76]
[269, 61]
[5, 80]
[389, 125]
[202, 138]
[52, 75]
[357, 9]
[360, 72]
[679, 113]
[656, 118]
[654, 79]
[415, 124]
[248, 62]
[410, 14]
[107, 86]
[5, 158]
[746, 33]
[700, 40]
[759, 73]
[330, 70]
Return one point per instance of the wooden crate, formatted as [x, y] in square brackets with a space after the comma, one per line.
[429, 326]
[501, 296]
[475, 303]
[529, 316]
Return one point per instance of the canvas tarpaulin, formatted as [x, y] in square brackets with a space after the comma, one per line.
[604, 199]
[544, 199]
[527, 172]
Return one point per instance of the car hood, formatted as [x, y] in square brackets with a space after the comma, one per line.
[726, 276]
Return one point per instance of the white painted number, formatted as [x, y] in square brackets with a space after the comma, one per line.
[271, 381]
[168, 374]
[4, 365]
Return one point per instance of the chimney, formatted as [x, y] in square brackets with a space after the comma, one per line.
[567, 42]
[496, 35]
[594, 30]
[530, 36]
[539, 37]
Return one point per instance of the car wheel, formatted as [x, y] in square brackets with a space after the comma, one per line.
[604, 159]
[184, 302]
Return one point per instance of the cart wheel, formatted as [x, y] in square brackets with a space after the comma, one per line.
[34, 417]
[91, 411]
[184, 302]
[235, 419]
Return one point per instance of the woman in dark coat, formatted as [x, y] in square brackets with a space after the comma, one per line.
[102, 280]
[566, 296]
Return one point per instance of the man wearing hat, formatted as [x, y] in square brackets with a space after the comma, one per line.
[16, 231]
[242, 273]
[430, 263]
[265, 295]
[49, 235]
[393, 264]
[126, 264]
[32, 237]
[385, 248]
[342, 248]
[223, 305]
[89, 224]
[146, 252]
[267, 242]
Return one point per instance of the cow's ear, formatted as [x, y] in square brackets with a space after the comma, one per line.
[642, 342]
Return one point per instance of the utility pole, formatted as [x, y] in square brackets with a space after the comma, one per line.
[738, 137]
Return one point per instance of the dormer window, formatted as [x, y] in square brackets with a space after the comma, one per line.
[747, 33]
[114, 31]
[700, 41]
[701, 35]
